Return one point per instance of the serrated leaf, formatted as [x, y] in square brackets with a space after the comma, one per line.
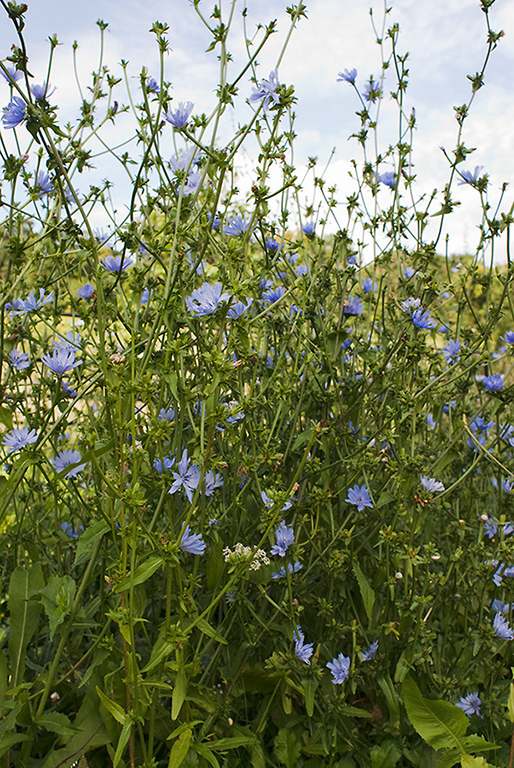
[287, 747]
[57, 598]
[57, 722]
[439, 723]
[385, 755]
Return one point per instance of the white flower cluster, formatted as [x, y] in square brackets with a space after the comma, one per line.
[256, 558]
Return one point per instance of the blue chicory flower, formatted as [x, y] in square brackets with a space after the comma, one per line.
[309, 227]
[273, 295]
[206, 299]
[509, 337]
[470, 704]
[237, 309]
[430, 484]
[64, 459]
[359, 497]
[348, 76]
[179, 117]
[452, 351]
[370, 652]
[340, 668]
[493, 383]
[15, 113]
[269, 503]
[422, 319]
[368, 285]
[43, 91]
[61, 361]
[388, 178]
[266, 91]
[119, 262]
[353, 306]
[502, 628]
[499, 606]
[73, 533]
[285, 537]
[44, 185]
[237, 225]
[187, 477]
[15, 74]
[272, 244]
[70, 344]
[212, 481]
[165, 465]
[152, 86]
[302, 649]
[31, 304]
[68, 389]
[471, 177]
[19, 438]
[86, 291]
[19, 360]
[372, 91]
[292, 568]
[409, 304]
[192, 542]
[166, 414]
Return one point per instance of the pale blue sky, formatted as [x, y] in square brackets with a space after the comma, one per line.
[445, 39]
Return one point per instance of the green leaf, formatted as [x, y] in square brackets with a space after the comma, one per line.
[287, 747]
[206, 628]
[180, 749]
[309, 688]
[510, 703]
[179, 691]
[6, 416]
[88, 539]
[385, 755]
[214, 566]
[439, 723]
[468, 761]
[367, 593]
[207, 754]
[355, 712]
[57, 598]
[24, 612]
[56, 722]
[111, 706]
[8, 740]
[123, 740]
[232, 742]
[141, 574]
